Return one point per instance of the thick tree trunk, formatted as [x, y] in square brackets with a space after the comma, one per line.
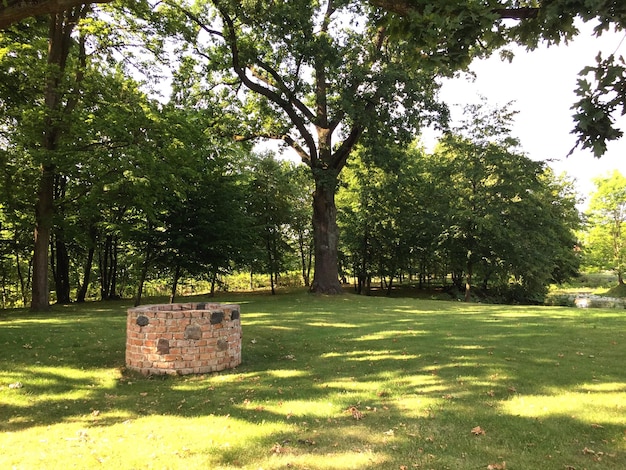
[326, 238]
[59, 44]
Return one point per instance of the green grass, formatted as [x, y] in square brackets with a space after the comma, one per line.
[437, 385]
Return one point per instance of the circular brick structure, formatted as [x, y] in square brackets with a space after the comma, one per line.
[181, 339]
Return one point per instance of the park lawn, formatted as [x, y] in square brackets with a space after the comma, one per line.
[344, 382]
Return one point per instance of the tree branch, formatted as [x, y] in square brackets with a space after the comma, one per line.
[405, 8]
[270, 94]
[12, 11]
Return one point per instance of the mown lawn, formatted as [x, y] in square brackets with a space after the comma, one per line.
[326, 383]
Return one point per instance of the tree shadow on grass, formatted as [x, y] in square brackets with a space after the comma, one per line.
[372, 379]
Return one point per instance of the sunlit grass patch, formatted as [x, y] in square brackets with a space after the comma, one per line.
[325, 383]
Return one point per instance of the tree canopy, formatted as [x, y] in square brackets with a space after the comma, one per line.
[321, 77]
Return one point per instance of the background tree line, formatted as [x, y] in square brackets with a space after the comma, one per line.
[114, 171]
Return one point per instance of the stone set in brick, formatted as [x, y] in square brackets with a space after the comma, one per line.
[181, 339]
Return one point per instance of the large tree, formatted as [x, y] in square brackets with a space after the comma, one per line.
[606, 234]
[321, 75]
[318, 77]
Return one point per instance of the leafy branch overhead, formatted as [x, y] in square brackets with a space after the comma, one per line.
[600, 99]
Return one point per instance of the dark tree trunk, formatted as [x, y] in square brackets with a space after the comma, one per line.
[326, 239]
[175, 284]
[390, 286]
[84, 286]
[271, 260]
[108, 268]
[305, 260]
[20, 276]
[59, 44]
[113, 289]
[43, 222]
[144, 274]
[60, 259]
[213, 282]
[62, 270]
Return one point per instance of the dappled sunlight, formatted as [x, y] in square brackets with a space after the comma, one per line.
[595, 407]
[390, 335]
[332, 325]
[49, 384]
[287, 373]
[367, 355]
[336, 385]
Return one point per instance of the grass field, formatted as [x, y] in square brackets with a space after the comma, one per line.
[326, 383]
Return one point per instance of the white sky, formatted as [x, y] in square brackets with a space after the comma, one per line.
[541, 83]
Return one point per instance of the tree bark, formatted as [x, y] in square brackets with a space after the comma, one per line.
[62, 270]
[326, 236]
[82, 291]
[59, 44]
[175, 284]
[44, 211]
[468, 283]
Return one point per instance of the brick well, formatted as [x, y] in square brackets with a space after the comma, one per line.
[181, 339]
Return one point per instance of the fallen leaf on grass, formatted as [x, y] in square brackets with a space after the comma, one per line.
[478, 431]
[597, 426]
[277, 449]
[354, 411]
[497, 466]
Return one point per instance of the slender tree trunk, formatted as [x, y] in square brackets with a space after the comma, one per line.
[175, 284]
[62, 270]
[271, 260]
[306, 266]
[144, 274]
[390, 286]
[113, 263]
[213, 282]
[84, 286]
[20, 277]
[468, 283]
[60, 258]
[103, 265]
[44, 211]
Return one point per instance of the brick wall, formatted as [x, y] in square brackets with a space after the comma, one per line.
[180, 339]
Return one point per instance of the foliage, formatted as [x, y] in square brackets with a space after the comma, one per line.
[598, 104]
[605, 235]
[477, 209]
